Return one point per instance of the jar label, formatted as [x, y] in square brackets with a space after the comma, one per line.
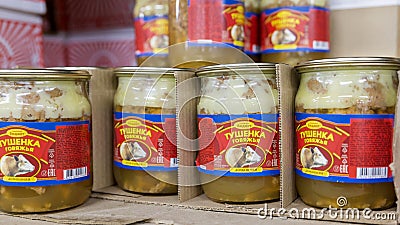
[151, 35]
[145, 141]
[251, 28]
[239, 145]
[216, 23]
[344, 148]
[44, 153]
[297, 28]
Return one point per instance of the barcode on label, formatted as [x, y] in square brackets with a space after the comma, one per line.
[321, 45]
[173, 162]
[375, 172]
[256, 48]
[75, 173]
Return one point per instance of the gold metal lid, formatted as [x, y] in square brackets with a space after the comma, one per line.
[148, 71]
[349, 63]
[238, 68]
[43, 74]
[78, 68]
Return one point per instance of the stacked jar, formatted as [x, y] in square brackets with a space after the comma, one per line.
[206, 32]
[151, 29]
[294, 31]
[252, 29]
[238, 133]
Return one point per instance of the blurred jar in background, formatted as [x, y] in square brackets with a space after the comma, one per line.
[206, 32]
[151, 30]
[294, 31]
[252, 29]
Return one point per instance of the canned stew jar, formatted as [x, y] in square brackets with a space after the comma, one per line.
[252, 29]
[45, 140]
[238, 133]
[203, 33]
[145, 153]
[151, 31]
[294, 31]
[345, 117]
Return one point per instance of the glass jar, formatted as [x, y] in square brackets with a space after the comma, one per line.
[101, 95]
[145, 153]
[294, 31]
[151, 31]
[206, 33]
[45, 144]
[238, 133]
[252, 29]
[344, 117]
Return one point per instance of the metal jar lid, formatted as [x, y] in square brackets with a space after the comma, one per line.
[238, 68]
[349, 63]
[148, 71]
[43, 74]
[86, 68]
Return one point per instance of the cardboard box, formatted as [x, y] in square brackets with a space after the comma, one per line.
[78, 15]
[395, 166]
[21, 34]
[365, 28]
[21, 42]
[55, 52]
[360, 34]
[190, 196]
[106, 48]
[28, 6]
[102, 87]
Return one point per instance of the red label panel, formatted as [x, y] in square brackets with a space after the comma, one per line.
[216, 21]
[376, 141]
[252, 35]
[347, 148]
[145, 143]
[295, 28]
[71, 148]
[60, 153]
[239, 147]
[151, 35]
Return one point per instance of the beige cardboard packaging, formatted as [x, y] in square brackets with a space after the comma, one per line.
[190, 196]
[365, 28]
[358, 28]
[102, 86]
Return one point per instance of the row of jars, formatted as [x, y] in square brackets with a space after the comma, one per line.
[344, 126]
[202, 33]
